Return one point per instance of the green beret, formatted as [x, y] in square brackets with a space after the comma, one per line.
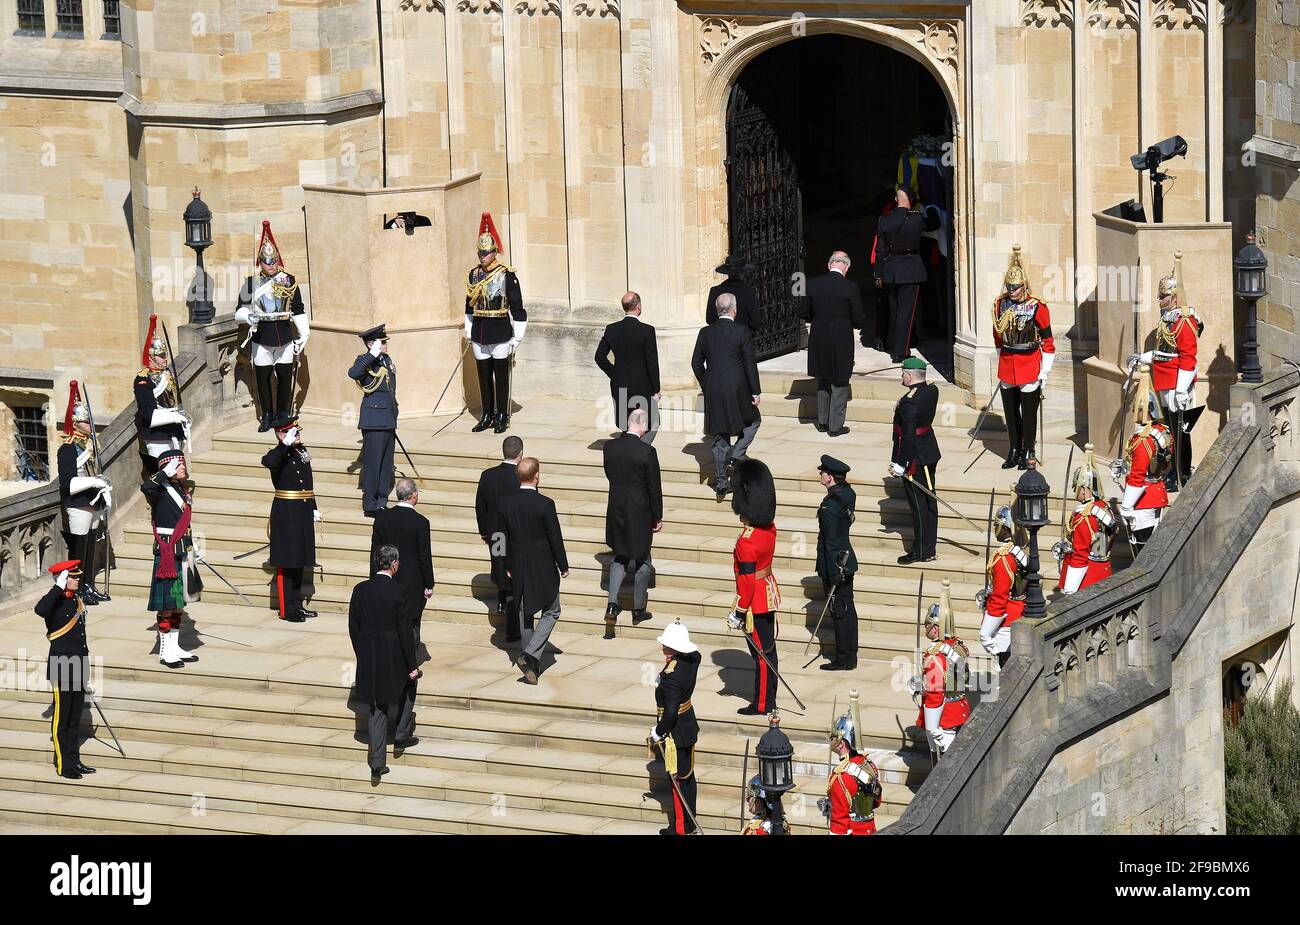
[914, 363]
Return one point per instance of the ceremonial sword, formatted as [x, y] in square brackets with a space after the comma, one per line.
[979, 423]
[842, 560]
[770, 668]
[678, 790]
[223, 579]
[99, 468]
[409, 460]
[744, 783]
[927, 491]
[107, 725]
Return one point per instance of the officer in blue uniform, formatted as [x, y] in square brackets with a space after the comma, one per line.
[376, 374]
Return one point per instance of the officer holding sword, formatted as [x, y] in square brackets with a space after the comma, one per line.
[836, 561]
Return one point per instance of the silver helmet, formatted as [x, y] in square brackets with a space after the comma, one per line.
[758, 794]
[1004, 526]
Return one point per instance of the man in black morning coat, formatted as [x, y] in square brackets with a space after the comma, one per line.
[900, 271]
[407, 529]
[834, 306]
[634, 373]
[724, 366]
[635, 513]
[495, 484]
[916, 454]
[376, 374]
[385, 652]
[735, 269]
[537, 562]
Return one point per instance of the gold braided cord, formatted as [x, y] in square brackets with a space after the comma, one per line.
[1003, 550]
[478, 292]
[284, 292]
[377, 378]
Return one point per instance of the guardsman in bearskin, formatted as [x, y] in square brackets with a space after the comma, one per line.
[942, 685]
[1003, 597]
[677, 730]
[836, 561]
[86, 495]
[853, 788]
[1173, 369]
[762, 806]
[270, 303]
[758, 596]
[294, 516]
[160, 423]
[1148, 457]
[68, 669]
[376, 374]
[1084, 552]
[916, 454]
[175, 580]
[1022, 332]
[495, 321]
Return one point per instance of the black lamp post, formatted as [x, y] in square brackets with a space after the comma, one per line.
[198, 235]
[1250, 268]
[775, 770]
[1030, 512]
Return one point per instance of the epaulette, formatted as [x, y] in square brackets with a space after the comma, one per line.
[145, 373]
[747, 532]
[670, 667]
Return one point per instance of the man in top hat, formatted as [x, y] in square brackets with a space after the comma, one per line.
[495, 322]
[270, 303]
[899, 269]
[1173, 369]
[174, 581]
[634, 372]
[723, 363]
[85, 494]
[853, 788]
[737, 270]
[916, 456]
[1084, 552]
[376, 374]
[1003, 598]
[1147, 459]
[160, 423]
[758, 596]
[1022, 333]
[634, 514]
[833, 305]
[676, 729]
[293, 518]
[942, 685]
[68, 668]
[836, 561]
[495, 484]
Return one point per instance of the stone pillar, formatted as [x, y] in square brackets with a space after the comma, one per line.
[1131, 258]
[415, 284]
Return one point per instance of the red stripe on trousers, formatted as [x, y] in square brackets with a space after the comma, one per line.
[279, 586]
[762, 674]
[679, 815]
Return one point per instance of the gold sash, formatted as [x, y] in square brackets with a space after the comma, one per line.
[293, 495]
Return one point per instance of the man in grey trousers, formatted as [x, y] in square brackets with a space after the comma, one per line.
[535, 562]
[634, 513]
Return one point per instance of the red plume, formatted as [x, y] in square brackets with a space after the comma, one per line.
[68, 428]
[148, 339]
[262, 242]
[487, 226]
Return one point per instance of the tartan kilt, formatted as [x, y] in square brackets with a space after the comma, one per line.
[166, 593]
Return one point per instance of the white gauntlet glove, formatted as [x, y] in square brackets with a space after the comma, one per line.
[315, 517]
[895, 469]
[163, 416]
[375, 347]
[469, 327]
[289, 437]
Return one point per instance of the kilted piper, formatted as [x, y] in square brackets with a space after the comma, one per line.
[293, 519]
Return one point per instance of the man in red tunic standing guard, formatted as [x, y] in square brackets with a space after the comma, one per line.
[757, 593]
[1022, 332]
[1147, 459]
[942, 684]
[1003, 599]
[1084, 552]
[853, 790]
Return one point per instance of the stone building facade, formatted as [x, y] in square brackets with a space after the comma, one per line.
[600, 131]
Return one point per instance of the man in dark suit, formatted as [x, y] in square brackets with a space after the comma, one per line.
[736, 269]
[408, 530]
[899, 270]
[535, 555]
[834, 306]
[375, 373]
[724, 366]
[494, 485]
[385, 651]
[916, 455]
[634, 372]
[634, 514]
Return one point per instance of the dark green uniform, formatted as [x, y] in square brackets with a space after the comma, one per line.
[836, 560]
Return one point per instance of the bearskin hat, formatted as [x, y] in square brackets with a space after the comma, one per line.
[754, 493]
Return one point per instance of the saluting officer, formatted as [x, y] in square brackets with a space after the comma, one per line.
[836, 561]
[376, 374]
[916, 454]
[68, 667]
[294, 516]
[175, 580]
[677, 730]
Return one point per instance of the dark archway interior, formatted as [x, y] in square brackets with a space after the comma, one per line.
[843, 110]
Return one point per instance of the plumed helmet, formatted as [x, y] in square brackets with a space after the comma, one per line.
[756, 792]
[1086, 475]
[1145, 406]
[488, 239]
[1016, 275]
[268, 252]
[940, 613]
[1004, 525]
[754, 498]
[154, 346]
[77, 413]
[843, 730]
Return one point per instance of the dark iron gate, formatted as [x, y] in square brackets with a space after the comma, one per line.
[766, 219]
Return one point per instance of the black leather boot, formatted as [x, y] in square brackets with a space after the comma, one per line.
[486, 421]
[502, 423]
[1013, 459]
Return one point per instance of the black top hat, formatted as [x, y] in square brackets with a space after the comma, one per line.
[734, 265]
[833, 466]
[375, 333]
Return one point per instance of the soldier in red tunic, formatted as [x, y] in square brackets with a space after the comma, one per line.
[757, 593]
[761, 810]
[853, 790]
[1003, 598]
[1084, 552]
[1146, 461]
[942, 684]
[1173, 368]
[1022, 332]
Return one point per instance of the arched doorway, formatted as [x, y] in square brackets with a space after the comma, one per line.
[816, 128]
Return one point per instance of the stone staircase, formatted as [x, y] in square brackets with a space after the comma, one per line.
[258, 736]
